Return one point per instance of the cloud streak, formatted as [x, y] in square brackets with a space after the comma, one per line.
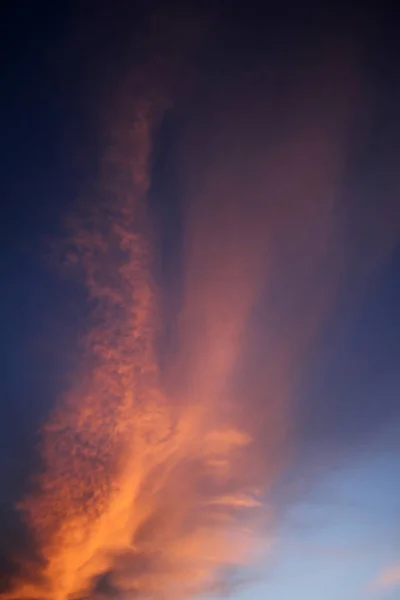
[154, 482]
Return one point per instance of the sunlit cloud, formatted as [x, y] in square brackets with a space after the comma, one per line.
[155, 480]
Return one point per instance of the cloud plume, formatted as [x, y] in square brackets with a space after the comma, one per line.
[154, 481]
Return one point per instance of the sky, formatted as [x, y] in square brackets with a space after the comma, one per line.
[199, 276]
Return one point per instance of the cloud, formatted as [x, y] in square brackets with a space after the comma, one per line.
[155, 481]
[388, 578]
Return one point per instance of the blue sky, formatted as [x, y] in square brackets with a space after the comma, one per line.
[340, 539]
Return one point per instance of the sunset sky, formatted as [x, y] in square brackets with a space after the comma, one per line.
[200, 292]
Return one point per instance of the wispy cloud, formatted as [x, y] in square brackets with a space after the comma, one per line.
[155, 483]
[388, 578]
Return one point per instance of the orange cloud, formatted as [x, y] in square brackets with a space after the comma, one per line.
[154, 482]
